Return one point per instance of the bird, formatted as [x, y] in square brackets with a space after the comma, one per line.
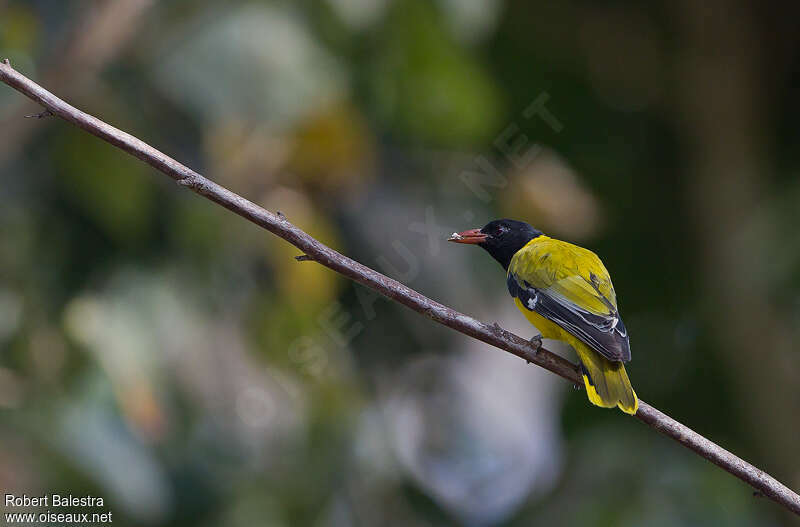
[566, 292]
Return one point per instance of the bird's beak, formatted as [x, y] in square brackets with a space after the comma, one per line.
[472, 236]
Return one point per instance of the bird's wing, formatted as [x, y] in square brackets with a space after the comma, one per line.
[570, 286]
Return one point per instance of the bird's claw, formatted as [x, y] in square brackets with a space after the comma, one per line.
[577, 386]
[536, 343]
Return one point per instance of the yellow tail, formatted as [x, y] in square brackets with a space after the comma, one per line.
[607, 382]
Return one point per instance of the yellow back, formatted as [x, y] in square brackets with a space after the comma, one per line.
[571, 272]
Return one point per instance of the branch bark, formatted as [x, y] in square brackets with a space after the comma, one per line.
[103, 31]
[314, 250]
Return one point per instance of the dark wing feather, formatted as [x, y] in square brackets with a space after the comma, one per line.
[604, 333]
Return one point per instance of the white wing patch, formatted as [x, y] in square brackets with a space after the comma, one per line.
[532, 302]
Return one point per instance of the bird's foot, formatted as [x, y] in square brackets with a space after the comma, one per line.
[536, 343]
[579, 370]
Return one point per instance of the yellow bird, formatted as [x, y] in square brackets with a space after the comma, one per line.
[566, 292]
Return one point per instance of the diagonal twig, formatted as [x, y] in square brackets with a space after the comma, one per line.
[314, 250]
[103, 31]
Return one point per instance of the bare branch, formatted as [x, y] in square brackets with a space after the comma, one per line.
[103, 30]
[277, 224]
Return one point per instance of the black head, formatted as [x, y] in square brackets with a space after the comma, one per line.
[500, 238]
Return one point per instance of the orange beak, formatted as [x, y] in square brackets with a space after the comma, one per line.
[472, 237]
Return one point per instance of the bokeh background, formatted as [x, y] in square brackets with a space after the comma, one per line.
[174, 359]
